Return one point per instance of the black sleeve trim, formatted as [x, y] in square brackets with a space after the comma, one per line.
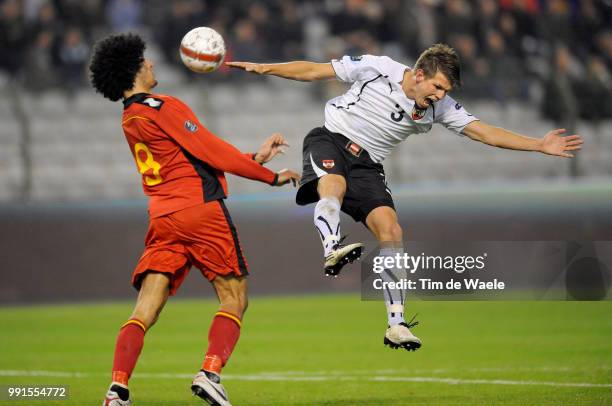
[359, 95]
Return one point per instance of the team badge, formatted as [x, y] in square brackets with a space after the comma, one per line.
[328, 163]
[191, 126]
[417, 113]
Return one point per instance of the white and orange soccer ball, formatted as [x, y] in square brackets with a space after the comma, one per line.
[202, 49]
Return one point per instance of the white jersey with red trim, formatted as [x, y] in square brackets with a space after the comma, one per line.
[376, 114]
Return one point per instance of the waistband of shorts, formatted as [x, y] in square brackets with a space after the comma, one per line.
[345, 142]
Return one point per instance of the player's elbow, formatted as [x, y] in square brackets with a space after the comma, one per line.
[481, 132]
[310, 75]
[479, 136]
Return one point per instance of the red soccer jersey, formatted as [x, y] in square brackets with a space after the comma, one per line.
[181, 162]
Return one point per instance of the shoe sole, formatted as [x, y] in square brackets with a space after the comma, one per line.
[349, 258]
[408, 346]
[202, 394]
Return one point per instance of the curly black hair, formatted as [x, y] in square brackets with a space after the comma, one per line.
[115, 62]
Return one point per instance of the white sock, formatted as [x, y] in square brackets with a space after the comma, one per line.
[394, 298]
[327, 222]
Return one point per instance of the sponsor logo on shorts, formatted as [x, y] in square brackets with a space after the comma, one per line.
[353, 148]
[328, 163]
[191, 126]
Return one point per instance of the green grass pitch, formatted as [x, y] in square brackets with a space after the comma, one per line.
[326, 350]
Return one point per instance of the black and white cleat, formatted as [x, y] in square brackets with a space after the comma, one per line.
[342, 255]
[207, 386]
[400, 336]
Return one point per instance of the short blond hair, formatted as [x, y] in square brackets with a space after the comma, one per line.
[441, 58]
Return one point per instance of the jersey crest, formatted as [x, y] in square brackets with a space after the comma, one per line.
[191, 126]
[417, 113]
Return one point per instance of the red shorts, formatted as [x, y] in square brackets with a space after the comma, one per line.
[202, 236]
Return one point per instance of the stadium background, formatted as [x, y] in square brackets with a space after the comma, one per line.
[73, 217]
[73, 211]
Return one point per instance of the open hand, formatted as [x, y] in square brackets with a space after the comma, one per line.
[247, 66]
[272, 146]
[555, 143]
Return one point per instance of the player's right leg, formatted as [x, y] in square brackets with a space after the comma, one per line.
[331, 189]
[152, 297]
[159, 273]
[222, 338]
[324, 173]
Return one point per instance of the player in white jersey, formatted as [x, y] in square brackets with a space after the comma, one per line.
[387, 102]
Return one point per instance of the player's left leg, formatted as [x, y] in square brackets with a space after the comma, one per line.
[382, 222]
[222, 338]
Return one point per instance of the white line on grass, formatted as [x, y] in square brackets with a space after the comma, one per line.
[305, 376]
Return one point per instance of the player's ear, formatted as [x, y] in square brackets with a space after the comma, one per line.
[419, 75]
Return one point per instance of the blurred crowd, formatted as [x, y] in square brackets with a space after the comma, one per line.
[557, 53]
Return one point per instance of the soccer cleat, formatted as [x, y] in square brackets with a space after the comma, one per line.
[112, 396]
[399, 335]
[342, 255]
[207, 386]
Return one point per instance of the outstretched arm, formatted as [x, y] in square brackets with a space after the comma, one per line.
[553, 143]
[298, 70]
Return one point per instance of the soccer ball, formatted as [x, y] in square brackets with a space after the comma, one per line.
[202, 50]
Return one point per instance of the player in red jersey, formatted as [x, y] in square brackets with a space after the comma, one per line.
[182, 166]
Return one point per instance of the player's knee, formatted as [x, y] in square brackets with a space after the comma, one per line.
[390, 232]
[332, 186]
[235, 303]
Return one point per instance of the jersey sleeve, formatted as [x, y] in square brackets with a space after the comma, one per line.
[180, 123]
[358, 68]
[452, 115]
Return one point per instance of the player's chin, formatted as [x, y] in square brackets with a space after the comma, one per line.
[155, 82]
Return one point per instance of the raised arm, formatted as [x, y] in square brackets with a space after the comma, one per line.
[303, 71]
[197, 140]
[553, 143]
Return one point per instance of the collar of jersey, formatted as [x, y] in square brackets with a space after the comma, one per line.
[138, 97]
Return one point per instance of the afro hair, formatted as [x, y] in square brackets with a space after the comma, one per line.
[115, 62]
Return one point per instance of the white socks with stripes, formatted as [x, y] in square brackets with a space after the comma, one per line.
[327, 222]
[394, 298]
